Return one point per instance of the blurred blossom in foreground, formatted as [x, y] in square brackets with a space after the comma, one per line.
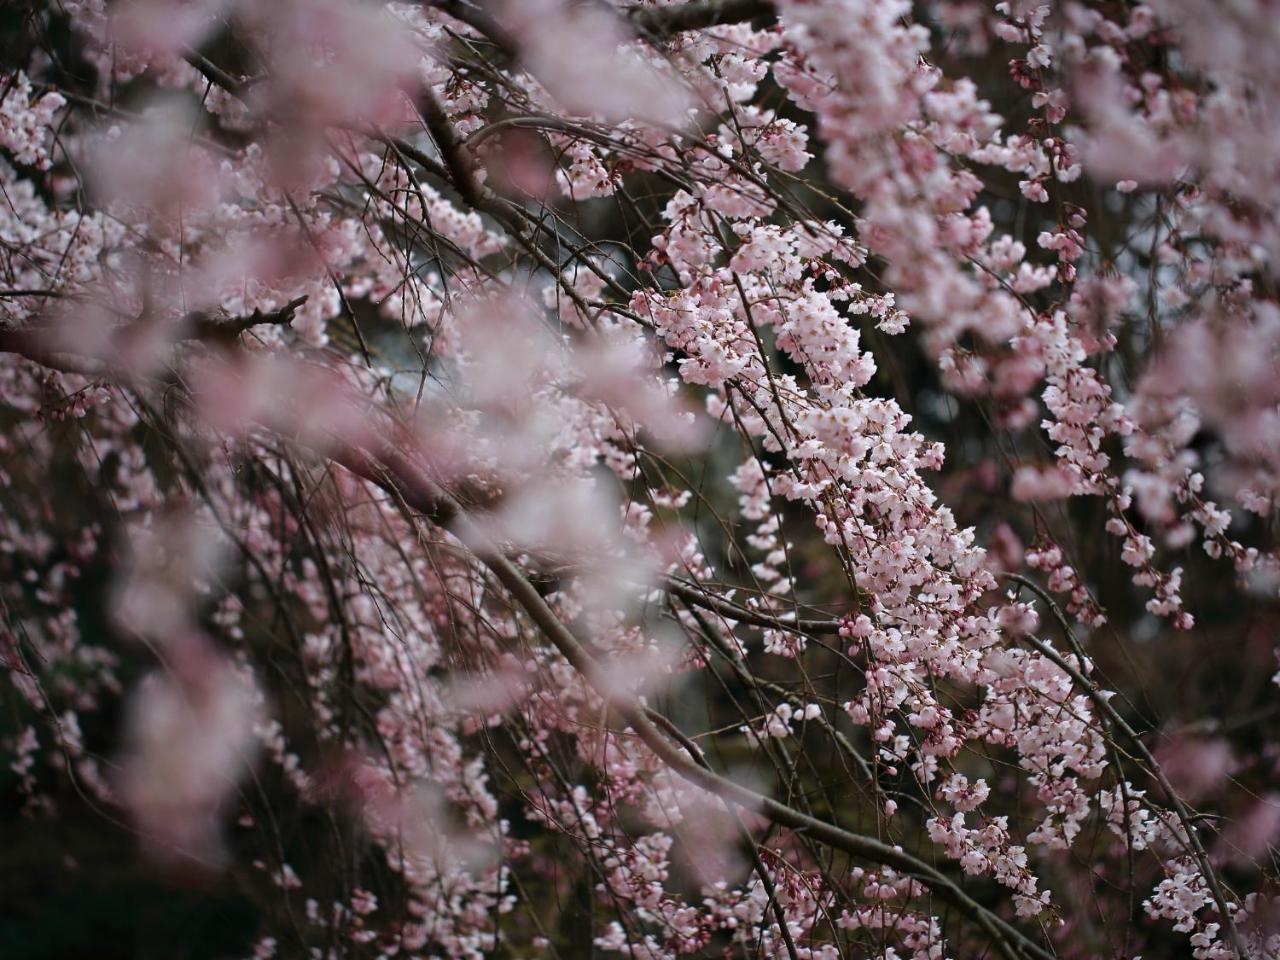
[189, 740]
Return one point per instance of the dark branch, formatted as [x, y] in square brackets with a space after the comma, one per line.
[661, 22]
[453, 152]
[733, 611]
[477, 19]
[215, 74]
[44, 345]
[391, 470]
[204, 326]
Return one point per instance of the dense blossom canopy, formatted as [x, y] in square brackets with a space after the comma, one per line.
[640, 478]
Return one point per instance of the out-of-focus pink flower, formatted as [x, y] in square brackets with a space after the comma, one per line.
[311, 403]
[633, 673]
[1004, 547]
[153, 167]
[522, 161]
[559, 516]
[417, 819]
[334, 64]
[168, 558]
[158, 28]
[1197, 767]
[189, 739]
[619, 371]
[493, 692]
[605, 75]
[1249, 837]
[1042, 483]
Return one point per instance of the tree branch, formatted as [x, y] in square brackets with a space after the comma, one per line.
[392, 471]
[204, 326]
[733, 611]
[479, 20]
[1103, 703]
[453, 152]
[41, 344]
[388, 468]
[662, 22]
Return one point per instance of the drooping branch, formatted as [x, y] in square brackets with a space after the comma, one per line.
[390, 469]
[44, 345]
[1111, 716]
[733, 611]
[212, 328]
[453, 152]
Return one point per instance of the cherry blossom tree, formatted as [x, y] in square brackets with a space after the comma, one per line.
[640, 478]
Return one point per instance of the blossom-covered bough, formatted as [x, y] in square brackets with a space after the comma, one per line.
[731, 478]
